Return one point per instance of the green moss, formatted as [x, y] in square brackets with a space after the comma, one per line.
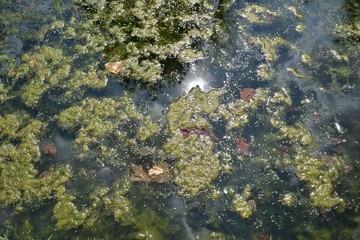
[320, 175]
[147, 130]
[270, 46]
[294, 10]
[306, 58]
[295, 73]
[43, 69]
[151, 225]
[197, 163]
[20, 181]
[288, 199]
[92, 78]
[298, 134]
[120, 207]
[10, 124]
[265, 72]
[300, 28]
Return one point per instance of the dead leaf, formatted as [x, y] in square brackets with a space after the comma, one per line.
[247, 93]
[139, 175]
[160, 173]
[32, 62]
[114, 67]
[242, 146]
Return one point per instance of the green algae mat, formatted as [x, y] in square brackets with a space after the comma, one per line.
[198, 119]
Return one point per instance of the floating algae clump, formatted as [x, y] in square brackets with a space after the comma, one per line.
[257, 14]
[197, 166]
[43, 69]
[320, 172]
[193, 110]
[105, 123]
[147, 129]
[242, 205]
[49, 68]
[19, 180]
[143, 35]
[66, 212]
[197, 163]
[238, 113]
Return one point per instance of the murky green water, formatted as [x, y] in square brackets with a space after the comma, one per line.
[179, 119]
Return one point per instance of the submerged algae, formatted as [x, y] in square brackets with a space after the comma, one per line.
[66, 212]
[45, 69]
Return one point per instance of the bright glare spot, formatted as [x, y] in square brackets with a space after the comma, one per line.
[194, 81]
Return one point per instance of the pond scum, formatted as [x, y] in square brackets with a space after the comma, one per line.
[265, 158]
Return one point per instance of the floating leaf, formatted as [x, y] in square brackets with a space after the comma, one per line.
[247, 93]
[160, 173]
[114, 67]
[139, 175]
[50, 149]
[32, 62]
[242, 146]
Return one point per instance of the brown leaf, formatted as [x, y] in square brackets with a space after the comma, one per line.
[160, 173]
[247, 93]
[114, 67]
[242, 146]
[32, 62]
[49, 149]
[139, 175]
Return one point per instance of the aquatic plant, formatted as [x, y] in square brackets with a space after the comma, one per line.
[20, 182]
[253, 154]
[242, 205]
[197, 163]
[102, 119]
[144, 35]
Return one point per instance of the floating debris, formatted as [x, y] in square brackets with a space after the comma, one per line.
[247, 93]
[205, 131]
[139, 175]
[114, 67]
[50, 149]
[242, 146]
[158, 173]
